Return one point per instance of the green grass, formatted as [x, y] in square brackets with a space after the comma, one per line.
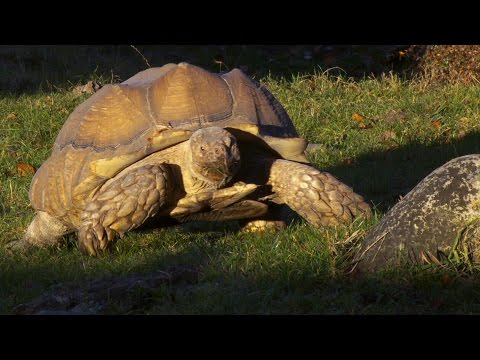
[297, 271]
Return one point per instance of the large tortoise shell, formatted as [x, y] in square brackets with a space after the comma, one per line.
[157, 108]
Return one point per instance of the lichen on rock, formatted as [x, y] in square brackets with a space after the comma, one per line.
[429, 218]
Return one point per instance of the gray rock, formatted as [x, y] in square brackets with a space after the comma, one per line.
[426, 222]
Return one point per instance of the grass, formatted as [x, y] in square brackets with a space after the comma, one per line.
[403, 130]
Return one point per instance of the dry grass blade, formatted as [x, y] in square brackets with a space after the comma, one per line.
[139, 53]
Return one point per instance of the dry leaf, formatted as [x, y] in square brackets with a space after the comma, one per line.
[11, 116]
[361, 121]
[348, 162]
[437, 123]
[24, 169]
[357, 117]
[363, 125]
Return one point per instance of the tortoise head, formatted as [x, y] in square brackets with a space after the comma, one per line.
[215, 156]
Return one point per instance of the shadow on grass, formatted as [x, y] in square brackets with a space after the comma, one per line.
[62, 278]
[382, 177]
[30, 68]
[209, 285]
[292, 286]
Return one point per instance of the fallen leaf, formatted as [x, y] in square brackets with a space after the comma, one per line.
[437, 123]
[11, 116]
[24, 169]
[358, 118]
[348, 162]
[363, 125]
[361, 121]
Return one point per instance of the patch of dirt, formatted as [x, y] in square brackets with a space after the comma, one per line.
[97, 296]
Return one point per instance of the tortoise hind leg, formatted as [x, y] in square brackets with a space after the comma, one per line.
[123, 204]
[317, 196]
[44, 231]
[277, 218]
[255, 226]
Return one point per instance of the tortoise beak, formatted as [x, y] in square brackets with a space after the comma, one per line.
[220, 173]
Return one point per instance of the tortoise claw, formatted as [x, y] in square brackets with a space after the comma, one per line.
[86, 241]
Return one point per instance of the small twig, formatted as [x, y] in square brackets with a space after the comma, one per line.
[139, 53]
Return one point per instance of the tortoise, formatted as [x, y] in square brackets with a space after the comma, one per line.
[439, 215]
[166, 143]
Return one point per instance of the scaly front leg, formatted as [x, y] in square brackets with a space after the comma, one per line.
[123, 204]
[315, 195]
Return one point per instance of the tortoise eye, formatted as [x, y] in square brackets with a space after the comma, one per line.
[202, 148]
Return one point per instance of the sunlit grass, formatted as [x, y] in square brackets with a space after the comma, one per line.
[409, 129]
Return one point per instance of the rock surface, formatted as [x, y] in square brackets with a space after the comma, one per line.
[429, 218]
